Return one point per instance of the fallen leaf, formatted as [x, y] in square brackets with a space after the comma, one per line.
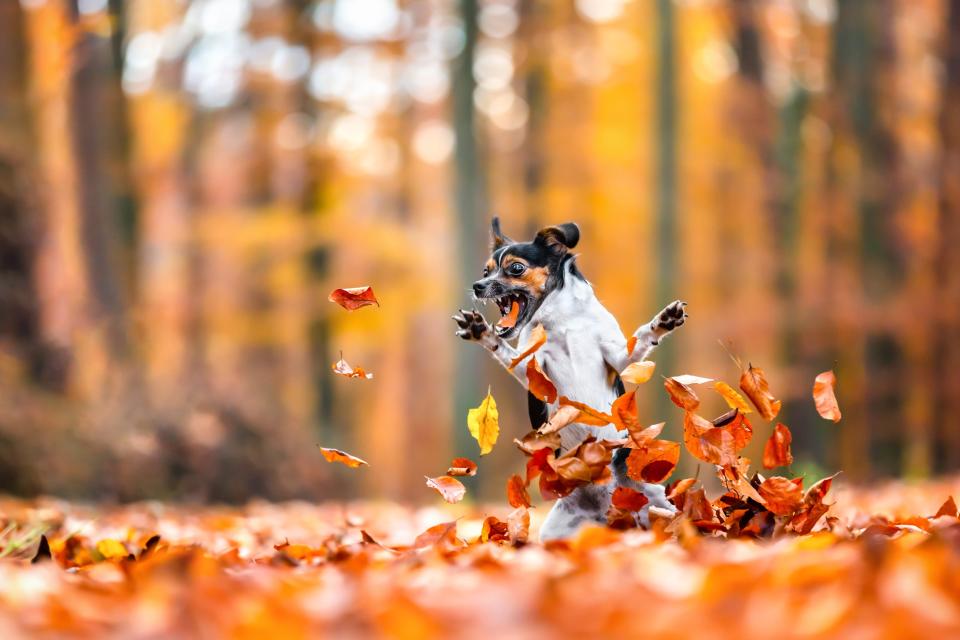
[111, 549]
[510, 320]
[624, 412]
[733, 399]
[681, 395]
[948, 508]
[562, 417]
[451, 489]
[638, 372]
[353, 298]
[680, 487]
[716, 444]
[824, 396]
[342, 368]
[462, 467]
[538, 337]
[517, 494]
[753, 382]
[518, 525]
[534, 441]
[654, 461]
[782, 495]
[588, 415]
[336, 455]
[484, 424]
[43, 551]
[494, 530]
[539, 384]
[628, 499]
[776, 452]
[445, 532]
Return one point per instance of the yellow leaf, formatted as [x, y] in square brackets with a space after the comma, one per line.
[484, 424]
[111, 549]
[733, 399]
[638, 372]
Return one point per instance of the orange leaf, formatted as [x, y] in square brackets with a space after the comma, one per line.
[562, 417]
[494, 530]
[538, 337]
[445, 532]
[638, 372]
[716, 444]
[631, 345]
[353, 298]
[588, 415]
[824, 397]
[336, 455]
[782, 496]
[733, 399]
[624, 412]
[628, 499]
[681, 395]
[688, 379]
[646, 435]
[517, 494]
[342, 368]
[451, 489]
[539, 384]
[776, 453]
[518, 525]
[753, 382]
[510, 320]
[653, 462]
[462, 467]
[948, 508]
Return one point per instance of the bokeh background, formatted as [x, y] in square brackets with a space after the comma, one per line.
[182, 182]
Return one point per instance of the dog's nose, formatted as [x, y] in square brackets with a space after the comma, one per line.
[478, 288]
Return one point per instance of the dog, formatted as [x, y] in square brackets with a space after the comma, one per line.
[538, 282]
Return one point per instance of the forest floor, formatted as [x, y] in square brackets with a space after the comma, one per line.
[881, 565]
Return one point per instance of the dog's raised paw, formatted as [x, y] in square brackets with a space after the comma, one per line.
[472, 325]
[672, 316]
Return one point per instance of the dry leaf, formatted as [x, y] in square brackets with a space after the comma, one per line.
[753, 382]
[510, 320]
[688, 379]
[336, 455]
[681, 395]
[517, 494]
[776, 453]
[628, 499]
[824, 396]
[733, 399]
[562, 417]
[539, 384]
[654, 461]
[588, 415]
[782, 495]
[484, 424]
[538, 337]
[948, 508]
[462, 467]
[716, 444]
[518, 525]
[638, 372]
[342, 368]
[353, 298]
[631, 345]
[451, 489]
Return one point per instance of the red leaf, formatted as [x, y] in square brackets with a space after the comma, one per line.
[681, 395]
[781, 495]
[353, 298]
[753, 382]
[654, 461]
[716, 444]
[776, 453]
[336, 455]
[517, 494]
[451, 489]
[948, 508]
[824, 396]
[628, 499]
[539, 384]
[462, 467]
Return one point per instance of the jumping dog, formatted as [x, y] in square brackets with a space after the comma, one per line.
[583, 354]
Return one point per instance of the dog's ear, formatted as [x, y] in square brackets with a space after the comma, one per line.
[497, 239]
[560, 238]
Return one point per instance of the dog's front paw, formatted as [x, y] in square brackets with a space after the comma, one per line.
[672, 316]
[472, 325]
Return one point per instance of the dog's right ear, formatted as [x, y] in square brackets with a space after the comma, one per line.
[497, 239]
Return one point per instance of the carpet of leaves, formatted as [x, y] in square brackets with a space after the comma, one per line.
[884, 565]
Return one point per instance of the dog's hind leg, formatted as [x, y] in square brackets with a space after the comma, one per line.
[585, 505]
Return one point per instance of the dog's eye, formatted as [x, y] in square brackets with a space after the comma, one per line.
[486, 272]
[516, 269]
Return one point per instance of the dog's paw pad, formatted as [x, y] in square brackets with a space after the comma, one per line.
[672, 316]
[472, 324]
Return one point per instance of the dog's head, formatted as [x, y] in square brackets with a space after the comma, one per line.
[520, 275]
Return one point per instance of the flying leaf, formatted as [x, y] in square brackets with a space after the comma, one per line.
[539, 384]
[353, 298]
[782, 495]
[342, 368]
[517, 494]
[716, 444]
[753, 382]
[451, 489]
[638, 372]
[688, 379]
[824, 397]
[484, 424]
[624, 412]
[681, 395]
[518, 525]
[562, 417]
[948, 508]
[654, 461]
[462, 467]
[628, 499]
[588, 415]
[733, 399]
[631, 345]
[336, 455]
[494, 530]
[538, 337]
[776, 453]
[510, 320]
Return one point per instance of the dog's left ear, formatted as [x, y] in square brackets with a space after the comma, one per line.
[497, 239]
[560, 238]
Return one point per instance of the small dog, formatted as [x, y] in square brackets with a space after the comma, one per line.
[583, 355]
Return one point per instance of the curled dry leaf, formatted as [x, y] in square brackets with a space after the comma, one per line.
[562, 417]
[353, 298]
[753, 382]
[518, 525]
[681, 394]
[462, 467]
[588, 415]
[638, 372]
[782, 495]
[539, 384]
[451, 489]
[654, 461]
[534, 441]
[824, 396]
[733, 399]
[510, 320]
[776, 453]
[517, 494]
[494, 530]
[439, 535]
[716, 444]
[484, 424]
[628, 499]
[688, 379]
[342, 368]
[538, 337]
[948, 508]
[336, 455]
[624, 412]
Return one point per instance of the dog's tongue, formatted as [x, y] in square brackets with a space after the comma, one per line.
[510, 320]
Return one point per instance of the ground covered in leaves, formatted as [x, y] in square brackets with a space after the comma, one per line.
[883, 565]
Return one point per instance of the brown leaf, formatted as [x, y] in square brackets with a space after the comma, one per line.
[353, 298]
[462, 467]
[733, 399]
[680, 487]
[518, 525]
[562, 417]
[538, 337]
[628, 499]
[681, 395]
[647, 435]
[517, 494]
[948, 508]
[336, 455]
[342, 368]
[753, 382]
[494, 530]
[824, 396]
[624, 412]
[533, 442]
[776, 453]
[539, 384]
[781, 495]
[638, 372]
[716, 444]
[451, 489]
[510, 320]
[588, 415]
[654, 461]
[443, 534]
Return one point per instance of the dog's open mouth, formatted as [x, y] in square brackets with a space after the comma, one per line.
[512, 307]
